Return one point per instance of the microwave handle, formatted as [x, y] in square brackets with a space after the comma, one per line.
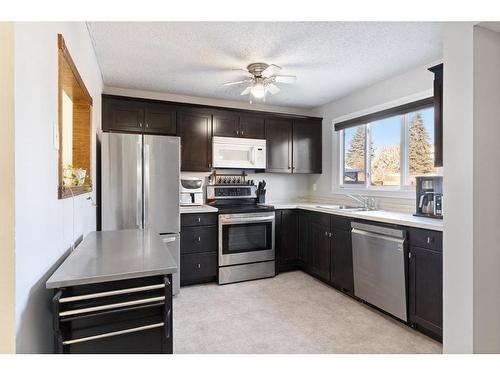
[252, 156]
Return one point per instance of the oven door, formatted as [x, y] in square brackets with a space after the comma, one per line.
[246, 238]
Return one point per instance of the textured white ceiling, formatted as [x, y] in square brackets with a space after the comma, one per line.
[330, 59]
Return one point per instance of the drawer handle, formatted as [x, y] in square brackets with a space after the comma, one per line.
[111, 306]
[111, 293]
[115, 333]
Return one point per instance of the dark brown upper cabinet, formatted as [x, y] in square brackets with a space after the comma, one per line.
[195, 130]
[129, 115]
[123, 115]
[160, 119]
[307, 146]
[252, 127]
[438, 114]
[279, 145]
[293, 147]
[226, 124]
[293, 142]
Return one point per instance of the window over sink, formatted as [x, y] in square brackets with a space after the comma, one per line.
[387, 149]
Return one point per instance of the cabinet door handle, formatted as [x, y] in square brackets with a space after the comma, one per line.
[199, 219]
[429, 240]
[330, 234]
[238, 132]
[147, 125]
[242, 132]
[140, 124]
[409, 255]
[198, 265]
[199, 239]
[326, 234]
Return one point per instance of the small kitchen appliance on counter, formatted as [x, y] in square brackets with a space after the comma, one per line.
[429, 196]
[191, 191]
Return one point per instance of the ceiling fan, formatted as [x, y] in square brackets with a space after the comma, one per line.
[262, 79]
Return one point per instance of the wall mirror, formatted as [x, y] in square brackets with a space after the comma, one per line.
[75, 128]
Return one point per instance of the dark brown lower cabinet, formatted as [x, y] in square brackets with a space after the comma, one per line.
[286, 240]
[341, 261]
[289, 249]
[198, 248]
[198, 268]
[303, 232]
[426, 290]
[320, 257]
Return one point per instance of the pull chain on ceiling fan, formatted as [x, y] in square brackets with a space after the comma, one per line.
[262, 79]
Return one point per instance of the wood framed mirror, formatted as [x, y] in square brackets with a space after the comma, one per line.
[75, 127]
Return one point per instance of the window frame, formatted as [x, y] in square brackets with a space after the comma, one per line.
[410, 105]
[64, 57]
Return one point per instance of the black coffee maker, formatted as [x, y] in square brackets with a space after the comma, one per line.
[429, 196]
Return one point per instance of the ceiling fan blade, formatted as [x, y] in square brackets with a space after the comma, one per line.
[272, 88]
[237, 82]
[246, 91]
[285, 79]
[270, 70]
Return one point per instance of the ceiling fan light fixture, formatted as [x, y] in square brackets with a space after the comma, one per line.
[258, 90]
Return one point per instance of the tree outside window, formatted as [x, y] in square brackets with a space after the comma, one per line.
[400, 148]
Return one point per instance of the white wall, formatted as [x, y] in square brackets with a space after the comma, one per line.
[486, 177]
[412, 85]
[7, 192]
[44, 224]
[458, 188]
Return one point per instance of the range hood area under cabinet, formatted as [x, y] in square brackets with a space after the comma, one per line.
[293, 143]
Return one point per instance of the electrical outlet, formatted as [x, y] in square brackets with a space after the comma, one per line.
[55, 133]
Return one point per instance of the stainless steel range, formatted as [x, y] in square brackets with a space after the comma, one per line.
[246, 233]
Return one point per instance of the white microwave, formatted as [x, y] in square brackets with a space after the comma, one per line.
[239, 153]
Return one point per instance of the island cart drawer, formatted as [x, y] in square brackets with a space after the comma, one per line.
[129, 316]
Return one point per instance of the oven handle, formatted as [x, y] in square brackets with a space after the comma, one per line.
[265, 219]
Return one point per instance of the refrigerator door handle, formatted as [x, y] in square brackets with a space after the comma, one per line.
[138, 210]
[146, 185]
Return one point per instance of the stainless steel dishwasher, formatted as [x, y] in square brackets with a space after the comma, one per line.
[379, 271]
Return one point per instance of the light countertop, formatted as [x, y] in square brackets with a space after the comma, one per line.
[198, 209]
[389, 217]
[114, 255]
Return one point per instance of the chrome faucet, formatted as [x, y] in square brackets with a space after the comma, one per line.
[368, 203]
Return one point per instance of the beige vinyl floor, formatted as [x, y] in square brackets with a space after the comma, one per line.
[291, 313]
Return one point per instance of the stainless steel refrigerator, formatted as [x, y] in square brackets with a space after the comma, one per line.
[140, 187]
